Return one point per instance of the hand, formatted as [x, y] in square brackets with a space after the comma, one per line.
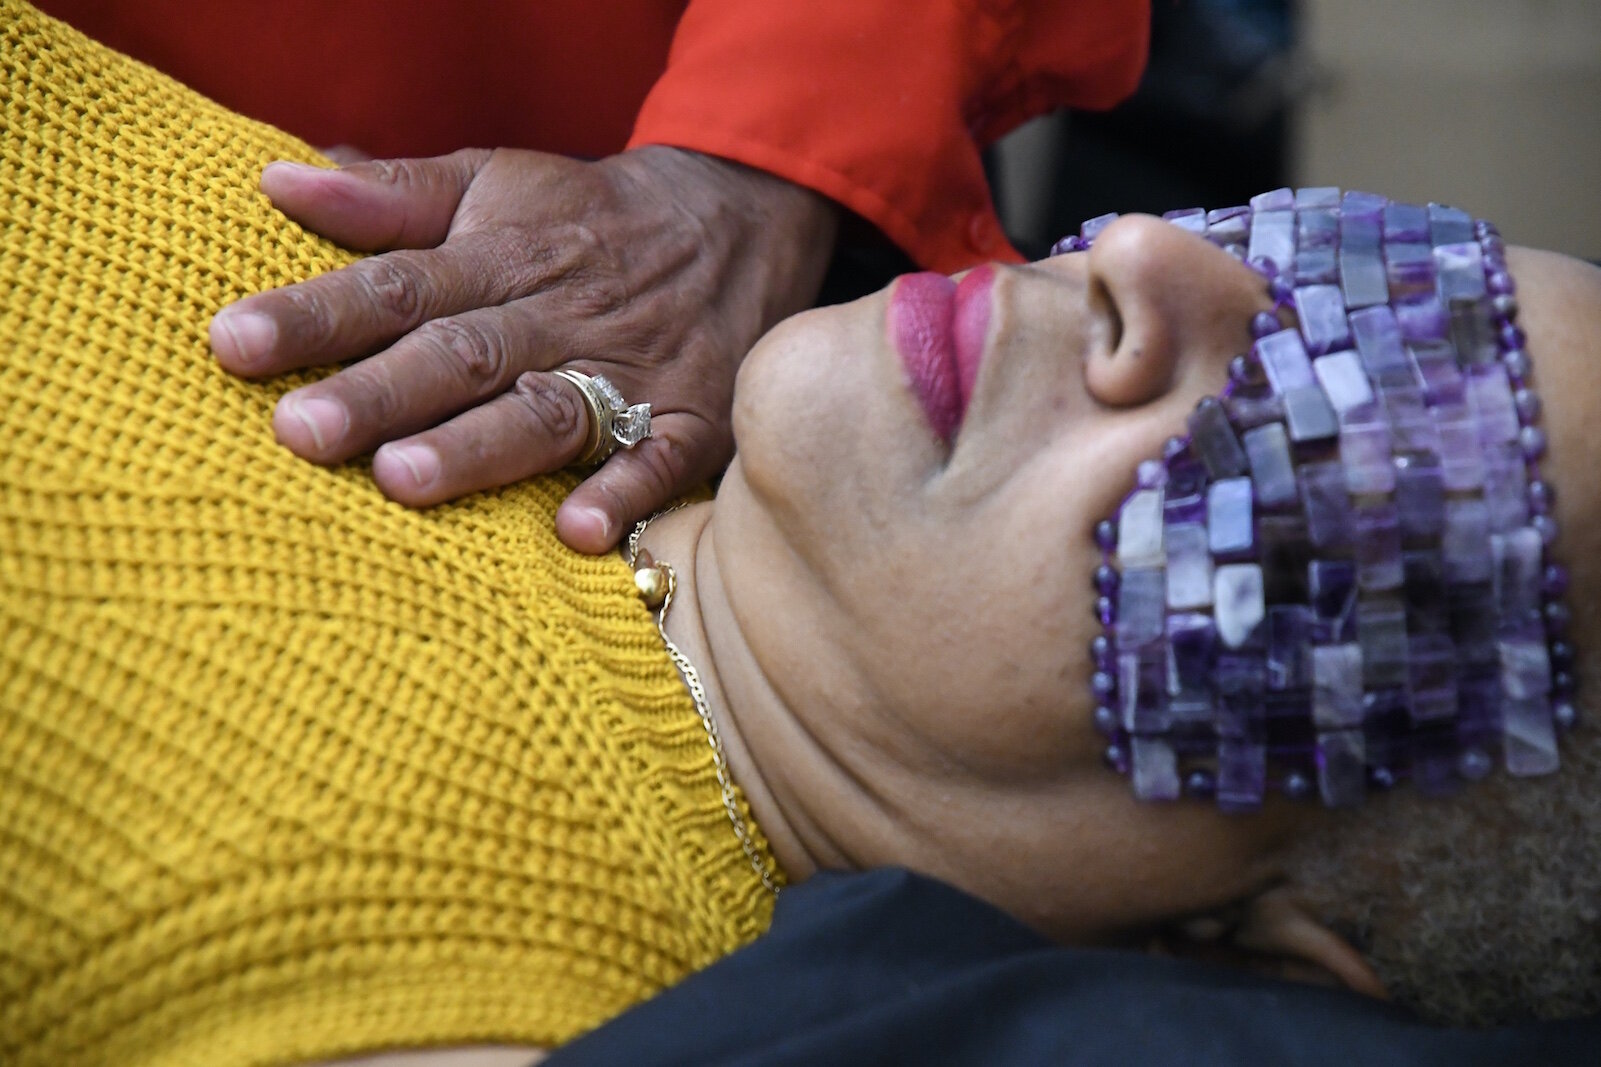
[658, 268]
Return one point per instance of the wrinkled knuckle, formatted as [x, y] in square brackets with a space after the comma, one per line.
[555, 407]
[313, 316]
[387, 171]
[394, 290]
[475, 352]
[662, 467]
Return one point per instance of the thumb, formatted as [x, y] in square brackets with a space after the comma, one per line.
[377, 205]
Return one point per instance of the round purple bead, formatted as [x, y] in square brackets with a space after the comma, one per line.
[1103, 685]
[1150, 474]
[1532, 440]
[1500, 283]
[1106, 579]
[1381, 777]
[1263, 266]
[1565, 714]
[1557, 618]
[1483, 228]
[1505, 307]
[1561, 655]
[1517, 365]
[1528, 405]
[1547, 527]
[1554, 582]
[1512, 337]
[1562, 684]
[1106, 535]
[1264, 323]
[1200, 783]
[1116, 757]
[1106, 610]
[1173, 448]
[1473, 764]
[1100, 648]
[1105, 720]
[1282, 290]
[1540, 497]
[1297, 785]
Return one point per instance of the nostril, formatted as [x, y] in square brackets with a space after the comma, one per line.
[1103, 303]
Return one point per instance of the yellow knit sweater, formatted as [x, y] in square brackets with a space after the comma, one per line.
[288, 772]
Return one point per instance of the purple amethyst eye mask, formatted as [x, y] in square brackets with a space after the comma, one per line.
[1341, 578]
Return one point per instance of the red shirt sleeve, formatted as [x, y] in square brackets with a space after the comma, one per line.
[885, 106]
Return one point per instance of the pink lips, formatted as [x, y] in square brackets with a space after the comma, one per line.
[938, 327]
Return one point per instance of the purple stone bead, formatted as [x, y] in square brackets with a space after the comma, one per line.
[1527, 402]
[1459, 269]
[1316, 228]
[1150, 474]
[1501, 283]
[1101, 653]
[1116, 757]
[1229, 225]
[1356, 204]
[1474, 764]
[1554, 582]
[1561, 655]
[1191, 651]
[1337, 686]
[1512, 337]
[1327, 504]
[1419, 496]
[1238, 602]
[1070, 243]
[1285, 552]
[1431, 677]
[1557, 618]
[1564, 715]
[1272, 237]
[1423, 591]
[1529, 743]
[1406, 223]
[1540, 497]
[1518, 366]
[1378, 341]
[1424, 319]
[1268, 450]
[1436, 367]
[1489, 395]
[1473, 333]
[1214, 441]
[1562, 684]
[1264, 323]
[1273, 200]
[1365, 452]
[1154, 773]
[1106, 535]
[1140, 607]
[1321, 310]
[1412, 427]
[1241, 775]
[1381, 634]
[1341, 768]
[1326, 197]
[1331, 592]
[1378, 546]
[1185, 497]
[1461, 461]
[1173, 448]
[1532, 440]
[1472, 623]
[1289, 645]
[1309, 415]
[1381, 778]
[1363, 282]
[1316, 266]
[1106, 579]
[1189, 567]
[1106, 610]
[1449, 225]
[1504, 308]
[1103, 685]
[1092, 227]
[1142, 689]
[1105, 720]
[1281, 289]
[1297, 786]
[1200, 784]
[1465, 541]
[1139, 530]
[1409, 269]
[1364, 236]
[1239, 682]
[1248, 412]
[1343, 380]
[1228, 517]
[1505, 488]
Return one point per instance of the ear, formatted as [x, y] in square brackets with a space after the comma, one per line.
[1274, 933]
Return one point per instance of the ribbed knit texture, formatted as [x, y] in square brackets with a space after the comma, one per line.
[288, 772]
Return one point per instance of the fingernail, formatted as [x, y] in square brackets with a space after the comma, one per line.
[420, 460]
[325, 420]
[284, 165]
[600, 519]
[251, 335]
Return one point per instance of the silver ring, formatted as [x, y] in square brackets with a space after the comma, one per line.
[613, 422]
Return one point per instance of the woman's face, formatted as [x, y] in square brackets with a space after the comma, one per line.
[924, 602]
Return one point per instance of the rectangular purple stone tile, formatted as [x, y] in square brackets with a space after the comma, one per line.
[1315, 228]
[1387, 727]
[1142, 689]
[1529, 742]
[1268, 449]
[1309, 415]
[1365, 452]
[1431, 677]
[1378, 546]
[1331, 594]
[1489, 395]
[1237, 602]
[1141, 604]
[1472, 332]
[1191, 651]
[1321, 309]
[1214, 442]
[1461, 459]
[1435, 365]
[1365, 236]
[1289, 646]
[1092, 228]
[1274, 200]
[1378, 341]
[1285, 551]
[1240, 682]
[1287, 719]
[1247, 412]
[1506, 487]
[1341, 768]
[1478, 709]
[1273, 237]
[1406, 223]
[1154, 771]
[1229, 225]
[1184, 498]
[1409, 270]
[1285, 361]
[1434, 758]
[1362, 279]
[1139, 530]
[1412, 427]
[1423, 590]
[1316, 266]
[1230, 531]
[1525, 668]
[1515, 560]
[1465, 542]
[1344, 381]
[1449, 225]
[1189, 566]
[1423, 319]
[1381, 634]
[1241, 774]
[1356, 204]
[1337, 686]
[1419, 496]
[1471, 621]
[1459, 269]
[1317, 196]
[1192, 219]
[1327, 504]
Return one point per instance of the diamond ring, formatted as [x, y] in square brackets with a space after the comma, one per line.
[613, 422]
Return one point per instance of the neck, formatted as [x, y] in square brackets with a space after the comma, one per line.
[704, 626]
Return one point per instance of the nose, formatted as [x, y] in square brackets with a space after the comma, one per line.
[1183, 306]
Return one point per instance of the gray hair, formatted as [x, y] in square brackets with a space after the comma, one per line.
[1479, 908]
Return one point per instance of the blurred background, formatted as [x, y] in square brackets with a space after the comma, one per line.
[1491, 105]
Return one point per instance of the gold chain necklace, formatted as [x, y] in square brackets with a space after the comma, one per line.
[656, 583]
